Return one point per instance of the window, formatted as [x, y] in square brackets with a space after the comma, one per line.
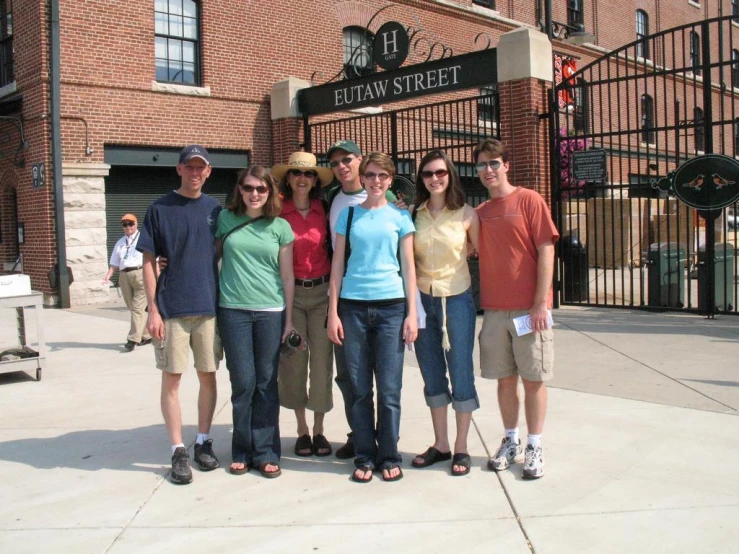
[736, 137]
[700, 142]
[177, 43]
[647, 119]
[487, 106]
[6, 42]
[487, 3]
[735, 10]
[574, 13]
[695, 53]
[358, 52]
[642, 32]
[582, 102]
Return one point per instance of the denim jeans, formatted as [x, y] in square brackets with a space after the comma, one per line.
[251, 342]
[435, 361]
[373, 349]
[344, 382]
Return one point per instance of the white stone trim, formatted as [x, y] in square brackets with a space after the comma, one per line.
[85, 170]
[10, 88]
[173, 88]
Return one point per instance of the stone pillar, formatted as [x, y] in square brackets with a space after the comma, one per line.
[86, 236]
[287, 122]
[524, 75]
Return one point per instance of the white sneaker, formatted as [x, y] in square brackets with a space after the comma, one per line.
[533, 467]
[508, 453]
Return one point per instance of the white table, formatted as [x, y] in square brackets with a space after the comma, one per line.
[33, 300]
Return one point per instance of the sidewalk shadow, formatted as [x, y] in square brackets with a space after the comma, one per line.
[714, 382]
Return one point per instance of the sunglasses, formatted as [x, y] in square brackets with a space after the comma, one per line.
[492, 164]
[261, 189]
[298, 173]
[439, 173]
[127, 224]
[345, 161]
[372, 176]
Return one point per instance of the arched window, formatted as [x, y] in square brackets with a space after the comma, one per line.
[700, 142]
[647, 119]
[735, 68]
[642, 32]
[176, 41]
[358, 52]
[695, 53]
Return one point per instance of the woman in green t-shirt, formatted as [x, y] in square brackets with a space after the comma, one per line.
[255, 315]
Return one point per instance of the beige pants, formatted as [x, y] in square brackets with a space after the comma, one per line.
[132, 289]
[309, 319]
[182, 334]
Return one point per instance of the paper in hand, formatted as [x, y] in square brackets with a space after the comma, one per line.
[523, 323]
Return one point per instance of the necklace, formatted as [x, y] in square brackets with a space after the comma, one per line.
[302, 209]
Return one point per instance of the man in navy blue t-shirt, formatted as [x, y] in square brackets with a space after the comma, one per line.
[180, 227]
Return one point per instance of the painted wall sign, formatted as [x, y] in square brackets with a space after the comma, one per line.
[38, 175]
[590, 165]
[709, 182]
[447, 74]
[391, 45]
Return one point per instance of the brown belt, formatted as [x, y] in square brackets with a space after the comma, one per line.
[126, 270]
[310, 283]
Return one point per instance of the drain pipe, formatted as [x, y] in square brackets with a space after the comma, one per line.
[56, 153]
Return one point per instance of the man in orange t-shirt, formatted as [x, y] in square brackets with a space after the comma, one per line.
[517, 239]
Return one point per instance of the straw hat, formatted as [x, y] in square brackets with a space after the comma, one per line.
[303, 161]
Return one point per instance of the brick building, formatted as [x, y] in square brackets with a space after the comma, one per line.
[140, 79]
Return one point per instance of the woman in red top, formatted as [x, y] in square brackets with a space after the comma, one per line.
[304, 210]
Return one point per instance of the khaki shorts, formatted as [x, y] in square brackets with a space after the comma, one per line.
[503, 353]
[183, 333]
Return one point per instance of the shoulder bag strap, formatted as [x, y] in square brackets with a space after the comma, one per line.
[240, 226]
[347, 246]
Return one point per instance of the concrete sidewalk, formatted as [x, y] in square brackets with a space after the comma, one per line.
[641, 447]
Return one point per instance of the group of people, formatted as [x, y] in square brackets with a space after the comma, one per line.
[348, 273]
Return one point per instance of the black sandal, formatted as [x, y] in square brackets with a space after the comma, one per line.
[398, 477]
[321, 447]
[269, 474]
[430, 457]
[304, 446]
[462, 459]
[363, 469]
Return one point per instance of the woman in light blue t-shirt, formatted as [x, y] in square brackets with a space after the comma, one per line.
[372, 312]
[255, 315]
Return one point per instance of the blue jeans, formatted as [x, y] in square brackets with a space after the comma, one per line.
[251, 342]
[373, 348]
[435, 361]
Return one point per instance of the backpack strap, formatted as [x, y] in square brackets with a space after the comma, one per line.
[347, 246]
[329, 247]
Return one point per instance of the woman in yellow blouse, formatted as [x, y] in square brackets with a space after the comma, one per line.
[443, 225]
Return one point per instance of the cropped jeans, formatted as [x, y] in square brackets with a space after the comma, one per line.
[251, 341]
[435, 361]
[373, 350]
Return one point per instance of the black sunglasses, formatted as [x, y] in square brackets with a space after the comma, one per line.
[128, 224]
[439, 173]
[298, 173]
[261, 189]
[345, 161]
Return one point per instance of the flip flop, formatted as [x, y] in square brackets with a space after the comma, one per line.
[461, 459]
[398, 477]
[363, 469]
[321, 447]
[269, 474]
[304, 446]
[238, 471]
[431, 456]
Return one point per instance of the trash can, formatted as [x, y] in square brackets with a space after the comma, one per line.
[474, 264]
[666, 275]
[723, 259]
[576, 275]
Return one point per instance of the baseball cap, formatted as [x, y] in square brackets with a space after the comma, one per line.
[346, 145]
[129, 217]
[193, 151]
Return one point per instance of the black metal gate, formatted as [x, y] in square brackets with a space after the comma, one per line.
[650, 105]
[407, 134]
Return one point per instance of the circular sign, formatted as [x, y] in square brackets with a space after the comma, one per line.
[403, 189]
[709, 182]
[391, 45]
